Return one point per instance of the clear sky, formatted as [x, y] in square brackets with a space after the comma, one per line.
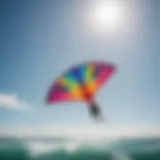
[39, 39]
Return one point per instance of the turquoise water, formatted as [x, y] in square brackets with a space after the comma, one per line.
[52, 149]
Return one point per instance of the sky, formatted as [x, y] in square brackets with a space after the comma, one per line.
[40, 39]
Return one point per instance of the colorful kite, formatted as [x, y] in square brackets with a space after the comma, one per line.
[80, 83]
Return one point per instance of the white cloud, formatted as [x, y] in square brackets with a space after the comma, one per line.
[83, 132]
[11, 101]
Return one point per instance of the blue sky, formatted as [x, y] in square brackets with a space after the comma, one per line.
[40, 39]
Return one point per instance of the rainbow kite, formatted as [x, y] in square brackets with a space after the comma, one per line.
[80, 82]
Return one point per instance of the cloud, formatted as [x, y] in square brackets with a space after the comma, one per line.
[11, 101]
[83, 132]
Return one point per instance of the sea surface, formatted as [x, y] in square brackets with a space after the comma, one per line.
[54, 148]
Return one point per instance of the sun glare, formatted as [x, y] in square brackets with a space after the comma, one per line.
[106, 14]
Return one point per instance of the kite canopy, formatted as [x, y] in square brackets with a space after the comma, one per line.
[80, 82]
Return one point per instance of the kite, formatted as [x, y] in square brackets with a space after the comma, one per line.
[81, 83]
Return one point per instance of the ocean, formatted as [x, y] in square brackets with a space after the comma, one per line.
[54, 148]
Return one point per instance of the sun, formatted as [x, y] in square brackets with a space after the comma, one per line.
[105, 15]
